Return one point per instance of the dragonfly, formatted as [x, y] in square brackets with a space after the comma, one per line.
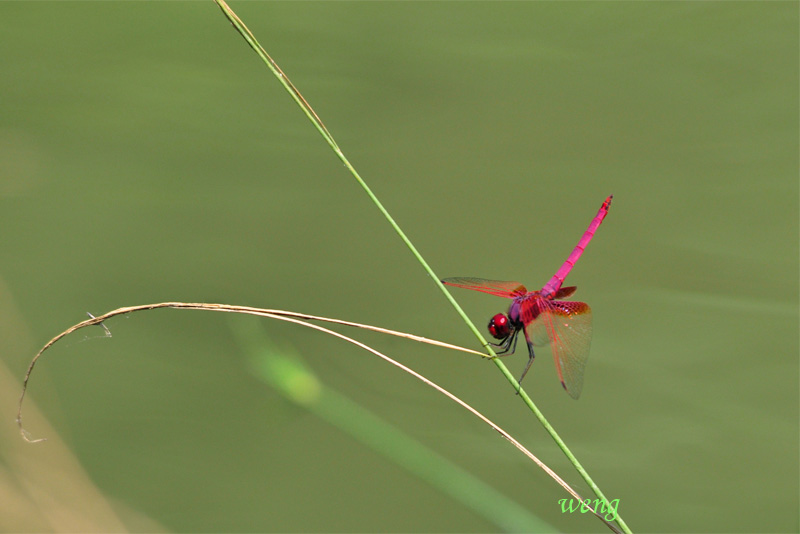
[543, 318]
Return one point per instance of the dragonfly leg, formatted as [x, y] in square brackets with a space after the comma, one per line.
[530, 352]
[508, 345]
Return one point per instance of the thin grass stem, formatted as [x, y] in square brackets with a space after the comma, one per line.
[242, 29]
[304, 393]
[281, 367]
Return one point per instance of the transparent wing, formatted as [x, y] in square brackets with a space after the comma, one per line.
[499, 288]
[567, 326]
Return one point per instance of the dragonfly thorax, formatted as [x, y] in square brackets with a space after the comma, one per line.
[529, 302]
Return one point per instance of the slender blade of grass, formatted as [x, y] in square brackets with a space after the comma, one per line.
[282, 369]
[242, 29]
[288, 376]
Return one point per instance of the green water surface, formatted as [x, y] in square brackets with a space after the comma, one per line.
[147, 155]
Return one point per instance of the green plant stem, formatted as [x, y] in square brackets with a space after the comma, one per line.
[318, 124]
[284, 370]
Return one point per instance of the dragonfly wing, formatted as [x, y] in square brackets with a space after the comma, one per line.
[499, 288]
[539, 332]
[530, 312]
[568, 327]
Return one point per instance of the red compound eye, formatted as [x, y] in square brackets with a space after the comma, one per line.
[499, 326]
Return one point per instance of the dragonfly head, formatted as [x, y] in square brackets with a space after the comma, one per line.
[500, 326]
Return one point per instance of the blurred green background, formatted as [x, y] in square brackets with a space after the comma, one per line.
[147, 155]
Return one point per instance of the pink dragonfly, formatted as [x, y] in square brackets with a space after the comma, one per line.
[567, 326]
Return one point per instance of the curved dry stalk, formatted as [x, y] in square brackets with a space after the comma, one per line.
[222, 308]
[301, 319]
